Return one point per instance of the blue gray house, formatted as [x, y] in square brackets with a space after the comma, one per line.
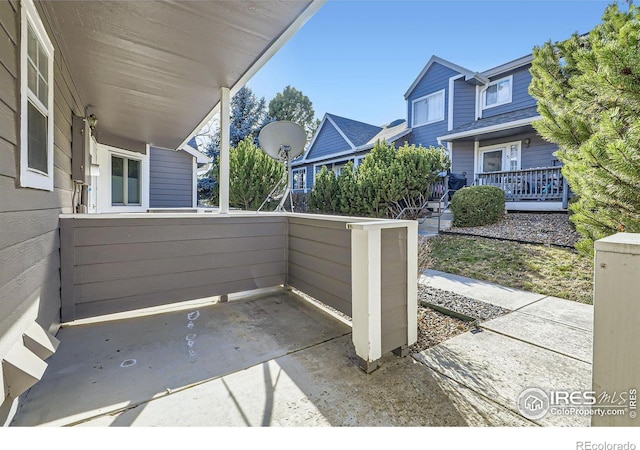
[485, 122]
[339, 140]
[483, 119]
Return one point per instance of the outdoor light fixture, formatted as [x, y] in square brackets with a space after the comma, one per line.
[527, 141]
[92, 120]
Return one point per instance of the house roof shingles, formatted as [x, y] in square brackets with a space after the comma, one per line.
[358, 133]
[512, 116]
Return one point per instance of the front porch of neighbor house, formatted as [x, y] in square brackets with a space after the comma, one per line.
[513, 157]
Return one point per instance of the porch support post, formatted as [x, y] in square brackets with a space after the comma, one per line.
[225, 123]
[366, 304]
[565, 193]
[616, 366]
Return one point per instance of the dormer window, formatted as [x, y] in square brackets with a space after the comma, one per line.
[428, 109]
[497, 92]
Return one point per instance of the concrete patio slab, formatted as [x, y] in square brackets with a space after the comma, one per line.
[318, 386]
[562, 311]
[504, 297]
[499, 368]
[558, 337]
[103, 367]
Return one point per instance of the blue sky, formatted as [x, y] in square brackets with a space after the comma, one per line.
[357, 58]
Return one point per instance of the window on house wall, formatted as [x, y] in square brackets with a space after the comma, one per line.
[428, 109]
[36, 85]
[126, 181]
[498, 158]
[498, 92]
[299, 178]
[359, 161]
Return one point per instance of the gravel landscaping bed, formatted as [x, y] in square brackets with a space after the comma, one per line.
[481, 311]
[541, 228]
[435, 327]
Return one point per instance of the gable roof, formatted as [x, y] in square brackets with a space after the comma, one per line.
[436, 59]
[390, 133]
[522, 61]
[357, 133]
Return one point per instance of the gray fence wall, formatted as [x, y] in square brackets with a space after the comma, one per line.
[111, 263]
[320, 259]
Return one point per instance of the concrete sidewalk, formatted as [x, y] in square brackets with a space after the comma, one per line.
[545, 342]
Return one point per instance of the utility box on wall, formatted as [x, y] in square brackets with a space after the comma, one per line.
[80, 146]
[616, 329]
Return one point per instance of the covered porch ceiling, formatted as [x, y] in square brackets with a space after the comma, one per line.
[151, 71]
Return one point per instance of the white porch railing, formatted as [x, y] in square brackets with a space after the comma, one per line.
[544, 183]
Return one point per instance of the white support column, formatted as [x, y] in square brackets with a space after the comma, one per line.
[225, 107]
[412, 285]
[367, 265]
[616, 328]
[366, 294]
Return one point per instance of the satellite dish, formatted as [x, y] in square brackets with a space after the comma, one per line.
[282, 140]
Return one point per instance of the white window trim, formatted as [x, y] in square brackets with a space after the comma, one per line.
[293, 171]
[29, 177]
[483, 93]
[424, 97]
[317, 167]
[104, 180]
[481, 150]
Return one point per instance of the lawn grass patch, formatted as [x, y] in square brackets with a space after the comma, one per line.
[537, 268]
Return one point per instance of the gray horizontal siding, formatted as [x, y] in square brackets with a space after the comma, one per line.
[462, 159]
[112, 265]
[435, 79]
[29, 240]
[393, 281]
[170, 178]
[464, 103]
[320, 260]
[539, 153]
[520, 97]
[328, 142]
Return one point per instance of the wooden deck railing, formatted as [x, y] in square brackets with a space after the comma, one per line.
[545, 183]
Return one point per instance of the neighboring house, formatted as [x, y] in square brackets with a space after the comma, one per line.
[129, 181]
[339, 140]
[173, 176]
[484, 120]
[152, 82]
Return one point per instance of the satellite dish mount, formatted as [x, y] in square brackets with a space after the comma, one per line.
[283, 140]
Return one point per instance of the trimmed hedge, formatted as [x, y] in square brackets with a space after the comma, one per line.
[477, 205]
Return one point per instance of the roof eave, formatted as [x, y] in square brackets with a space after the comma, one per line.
[277, 44]
[489, 129]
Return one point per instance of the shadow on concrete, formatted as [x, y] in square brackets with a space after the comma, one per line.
[271, 360]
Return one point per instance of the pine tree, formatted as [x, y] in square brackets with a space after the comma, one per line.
[248, 116]
[588, 93]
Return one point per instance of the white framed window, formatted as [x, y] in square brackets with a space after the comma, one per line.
[499, 158]
[428, 109]
[126, 181]
[123, 182]
[359, 160]
[36, 101]
[498, 92]
[299, 178]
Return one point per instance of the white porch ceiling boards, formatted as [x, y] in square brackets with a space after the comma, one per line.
[152, 70]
